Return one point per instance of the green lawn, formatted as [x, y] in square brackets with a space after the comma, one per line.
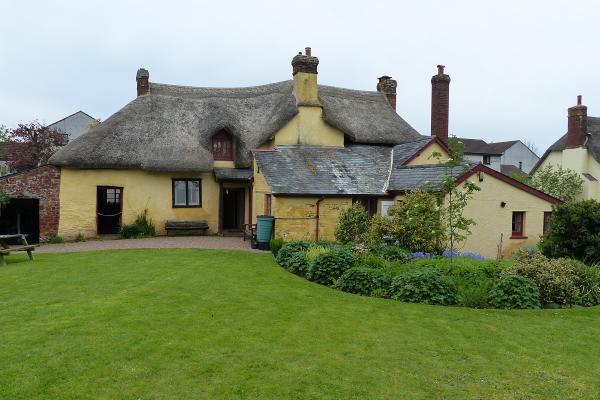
[203, 324]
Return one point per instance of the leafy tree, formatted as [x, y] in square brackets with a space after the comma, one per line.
[456, 197]
[30, 145]
[562, 183]
[519, 177]
[353, 222]
[574, 231]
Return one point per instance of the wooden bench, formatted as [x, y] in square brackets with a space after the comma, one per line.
[6, 249]
[186, 226]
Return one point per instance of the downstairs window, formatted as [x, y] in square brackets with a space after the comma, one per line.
[187, 193]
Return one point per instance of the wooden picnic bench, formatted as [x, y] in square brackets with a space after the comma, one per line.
[6, 249]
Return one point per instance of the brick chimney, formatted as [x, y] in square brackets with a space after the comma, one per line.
[143, 87]
[305, 78]
[577, 130]
[387, 86]
[440, 104]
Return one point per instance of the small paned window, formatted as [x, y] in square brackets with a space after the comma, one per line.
[113, 195]
[222, 147]
[187, 193]
[547, 216]
[518, 224]
[487, 159]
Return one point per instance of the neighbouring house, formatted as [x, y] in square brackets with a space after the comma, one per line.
[297, 150]
[73, 126]
[578, 150]
[511, 157]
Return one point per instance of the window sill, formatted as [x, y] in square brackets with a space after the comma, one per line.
[518, 237]
[187, 206]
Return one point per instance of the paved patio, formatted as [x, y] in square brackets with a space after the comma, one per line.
[171, 242]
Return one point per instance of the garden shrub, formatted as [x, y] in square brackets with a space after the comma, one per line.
[314, 251]
[372, 261]
[353, 222]
[328, 267]
[80, 237]
[275, 245]
[380, 293]
[574, 232]
[588, 284]
[55, 239]
[515, 292]
[555, 278]
[474, 291]
[416, 223]
[391, 252]
[297, 263]
[289, 249]
[428, 286]
[379, 228]
[363, 281]
[141, 227]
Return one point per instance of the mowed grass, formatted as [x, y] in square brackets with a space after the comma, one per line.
[203, 324]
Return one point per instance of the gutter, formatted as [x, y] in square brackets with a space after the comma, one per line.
[317, 218]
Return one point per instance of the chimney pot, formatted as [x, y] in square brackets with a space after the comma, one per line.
[143, 86]
[387, 86]
[305, 62]
[441, 69]
[579, 100]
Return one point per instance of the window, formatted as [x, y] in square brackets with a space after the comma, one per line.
[518, 224]
[547, 216]
[487, 159]
[369, 203]
[113, 195]
[222, 147]
[267, 204]
[385, 206]
[521, 165]
[187, 193]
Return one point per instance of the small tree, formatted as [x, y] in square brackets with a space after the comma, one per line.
[456, 197]
[353, 223]
[30, 145]
[574, 231]
[562, 183]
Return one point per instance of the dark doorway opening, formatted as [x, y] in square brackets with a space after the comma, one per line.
[369, 203]
[21, 216]
[109, 202]
[233, 208]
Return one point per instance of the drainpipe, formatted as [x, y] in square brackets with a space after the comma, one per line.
[317, 218]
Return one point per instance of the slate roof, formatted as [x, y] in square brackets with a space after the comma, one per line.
[233, 174]
[509, 169]
[500, 147]
[593, 142]
[406, 178]
[475, 146]
[171, 128]
[312, 170]
[403, 152]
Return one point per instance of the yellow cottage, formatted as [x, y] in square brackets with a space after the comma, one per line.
[578, 150]
[296, 150]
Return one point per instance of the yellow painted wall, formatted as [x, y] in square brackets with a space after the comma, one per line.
[305, 88]
[295, 217]
[141, 189]
[578, 159]
[425, 157]
[309, 128]
[223, 164]
[493, 220]
[260, 188]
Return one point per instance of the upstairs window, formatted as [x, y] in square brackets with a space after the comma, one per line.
[487, 159]
[222, 147]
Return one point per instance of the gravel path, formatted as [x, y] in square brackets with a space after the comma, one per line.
[195, 242]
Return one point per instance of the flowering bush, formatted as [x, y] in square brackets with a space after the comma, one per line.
[447, 254]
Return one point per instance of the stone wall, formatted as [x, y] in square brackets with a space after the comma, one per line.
[41, 183]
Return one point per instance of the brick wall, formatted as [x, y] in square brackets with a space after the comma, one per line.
[41, 183]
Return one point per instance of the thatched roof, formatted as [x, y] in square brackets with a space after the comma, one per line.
[171, 128]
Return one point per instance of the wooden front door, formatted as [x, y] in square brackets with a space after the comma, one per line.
[109, 209]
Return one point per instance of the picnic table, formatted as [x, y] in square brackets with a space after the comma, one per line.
[6, 249]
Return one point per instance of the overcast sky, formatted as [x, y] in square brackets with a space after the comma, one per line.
[516, 66]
